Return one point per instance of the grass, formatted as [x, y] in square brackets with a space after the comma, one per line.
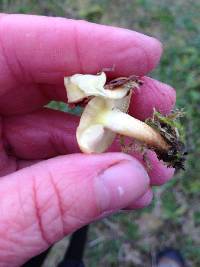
[174, 218]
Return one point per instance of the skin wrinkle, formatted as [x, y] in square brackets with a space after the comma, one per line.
[76, 45]
[59, 202]
[71, 219]
[45, 209]
[57, 142]
[146, 57]
[66, 207]
[20, 197]
[60, 143]
[157, 56]
[21, 69]
[42, 211]
[55, 147]
[6, 256]
[11, 238]
[101, 172]
[5, 160]
[26, 142]
[8, 244]
[38, 214]
[20, 66]
[6, 57]
[16, 253]
[55, 132]
[19, 185]
[6, 241]
[63, 144]
[25, 228]
[20, 77]
[140, 48]
[6, 144]
[147, 61]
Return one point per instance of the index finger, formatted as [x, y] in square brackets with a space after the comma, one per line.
[44, 49]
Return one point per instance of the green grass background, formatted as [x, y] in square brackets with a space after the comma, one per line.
[174, 217]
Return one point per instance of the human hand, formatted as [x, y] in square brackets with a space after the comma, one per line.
[43, 200]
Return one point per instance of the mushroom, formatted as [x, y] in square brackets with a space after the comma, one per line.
[80, 86]
[103, 118]
[105, 115]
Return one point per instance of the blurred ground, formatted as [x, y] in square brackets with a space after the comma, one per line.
[174, 217]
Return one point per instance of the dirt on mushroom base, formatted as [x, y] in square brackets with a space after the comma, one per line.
[171, 130]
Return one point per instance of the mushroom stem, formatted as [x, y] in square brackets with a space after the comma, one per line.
[124, 124]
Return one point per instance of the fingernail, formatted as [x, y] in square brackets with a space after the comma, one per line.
[121, 184]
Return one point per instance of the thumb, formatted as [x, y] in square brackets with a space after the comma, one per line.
[43, 203]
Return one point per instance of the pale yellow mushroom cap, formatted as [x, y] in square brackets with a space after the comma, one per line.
[105, 115]
[80, 86]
